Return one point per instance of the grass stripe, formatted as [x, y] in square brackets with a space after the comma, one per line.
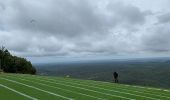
[27, 96]
[63, 89]
[26, 90]
[73, 89]
[105, 89]
[157, 96]
[120, 86]
[149, 88]
[144, 92]
[84, 89]
[99, 86]
[69, 88]
[81, 89]
[113, 90]
[38, 89]
[124, 85]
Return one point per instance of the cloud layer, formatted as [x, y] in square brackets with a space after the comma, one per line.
[84, 27]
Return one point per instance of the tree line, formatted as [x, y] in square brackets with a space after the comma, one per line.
[14, 64]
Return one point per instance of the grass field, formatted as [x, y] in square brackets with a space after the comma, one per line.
[27, 87]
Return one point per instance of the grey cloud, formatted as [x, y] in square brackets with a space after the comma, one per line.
[127, 13]
[165, 18]
[128, 17]
[72, 18]
[58, 17]
[158, 38]
[74, 27]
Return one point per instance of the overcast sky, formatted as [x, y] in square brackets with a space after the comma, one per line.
[85, 28]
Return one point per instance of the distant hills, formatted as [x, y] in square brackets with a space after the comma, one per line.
[147, 72]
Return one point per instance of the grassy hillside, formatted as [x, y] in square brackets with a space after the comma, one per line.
[27, 87]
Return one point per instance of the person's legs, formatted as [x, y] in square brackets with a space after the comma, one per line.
[116, 80]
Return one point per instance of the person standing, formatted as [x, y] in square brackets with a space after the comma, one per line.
[115, 75]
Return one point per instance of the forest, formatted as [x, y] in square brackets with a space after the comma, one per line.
[14, 64]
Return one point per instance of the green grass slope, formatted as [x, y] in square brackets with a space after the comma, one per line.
[34, 87]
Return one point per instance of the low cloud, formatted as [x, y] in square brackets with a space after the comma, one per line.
[81, 28]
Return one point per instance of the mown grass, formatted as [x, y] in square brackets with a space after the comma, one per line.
[58, 88]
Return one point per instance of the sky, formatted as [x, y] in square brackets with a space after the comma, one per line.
[58, 30]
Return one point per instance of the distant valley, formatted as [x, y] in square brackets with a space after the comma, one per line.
[147, 72]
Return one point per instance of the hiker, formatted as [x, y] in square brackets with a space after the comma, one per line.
[115, 74]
